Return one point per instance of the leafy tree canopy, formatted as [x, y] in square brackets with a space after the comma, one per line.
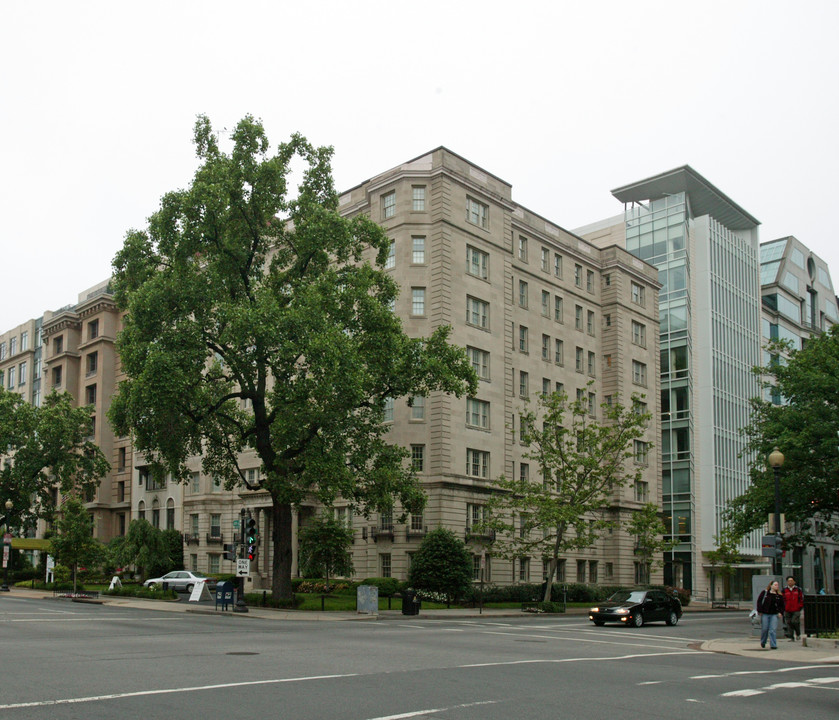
[442, 564]
[649, 532]
[255, 321]
[144, 546]
[580, 463]
[325, 547]
[47, 446]
[805, 429]
[74, 545]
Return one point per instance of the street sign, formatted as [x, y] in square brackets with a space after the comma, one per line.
[5, 556]
[243, 567]
[236, 524]
[7, 538]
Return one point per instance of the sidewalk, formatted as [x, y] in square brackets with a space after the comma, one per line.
[807, 650]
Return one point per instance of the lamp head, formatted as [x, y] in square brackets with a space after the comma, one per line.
[776, 458]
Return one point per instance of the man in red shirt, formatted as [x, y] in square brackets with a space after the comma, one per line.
[793, 603]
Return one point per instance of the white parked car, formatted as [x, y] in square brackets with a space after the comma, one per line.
[180, 580]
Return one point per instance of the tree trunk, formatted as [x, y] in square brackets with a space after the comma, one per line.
[281, 514]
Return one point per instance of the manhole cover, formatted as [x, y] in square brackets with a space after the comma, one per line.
[241, 653]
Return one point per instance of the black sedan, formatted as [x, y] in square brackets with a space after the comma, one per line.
[636, 607]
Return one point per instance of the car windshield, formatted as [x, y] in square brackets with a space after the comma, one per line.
[625, 596]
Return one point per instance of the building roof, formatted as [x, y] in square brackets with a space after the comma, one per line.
[705, 199]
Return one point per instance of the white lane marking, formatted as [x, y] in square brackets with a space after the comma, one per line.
[583, 659]
[169, 691]
[816, 683]
[743, 693]
[427, 711]
[416, 627]
[652, 682]
[572, 639]
[824, 680]
[694, 700]
[757, 672]
[453, 630]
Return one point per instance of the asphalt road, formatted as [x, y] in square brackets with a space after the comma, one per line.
[69, 660]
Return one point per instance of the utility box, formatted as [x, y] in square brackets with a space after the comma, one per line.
[224, 595]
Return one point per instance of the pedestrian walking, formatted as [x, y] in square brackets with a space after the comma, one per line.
[770, 605]
[793, 605]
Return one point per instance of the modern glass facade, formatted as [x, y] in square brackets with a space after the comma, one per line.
[658, 233]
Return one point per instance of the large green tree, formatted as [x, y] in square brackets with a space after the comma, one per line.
[73, 544]
[46, 447]
[145, 547]
[325, 547]
[799, 414]
[256, 321]
[581, 463]
[442, 564]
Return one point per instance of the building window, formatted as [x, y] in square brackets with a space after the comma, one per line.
[141, 510]
[477, 413]
[642, 491]
[12, 347]
[477, 312]
[558, 308]
[56, 376]
[607, 279]
[546, 259]
[522, 293]
[24, 341]
[215, 486]
[641, 452]
[477, 463]
[418, 249]
[477, 213]
[121, 459]
[592, 404]
[558, 265]
[213, 563]
[418, 301]
[578, 360]
[93, 329]
[522, 339]
[590, 280]
[388, 205]
[2, 351]
[590, 322]
[417, 458]
[546, 347]
[558, 352]
[390, 260]
[578, 275]
[637, 293]
[546, 303]
[607, 320]
[58, 345]
[639, 373]
[522, 248]
[215, 525]
[193, 523]
[418, 408]
[21, 373]
[610, 570]
[639, 334]
[480, 361]
[170, 514]
[546, 386]
[578, 317]
[581, 571]
[524, 384]
[592, 360]
[524, 569]
[90, 395]
[477, 262]
[592, 571]
[92, 363]
[524, 476]
[388, 410]
[418, 196]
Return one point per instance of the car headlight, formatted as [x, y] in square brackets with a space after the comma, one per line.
[594, 609]
[622, 611]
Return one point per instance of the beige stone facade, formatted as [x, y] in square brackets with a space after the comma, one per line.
[538, 309]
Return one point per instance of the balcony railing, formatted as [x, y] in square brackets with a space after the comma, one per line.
[480, 534]
[192, 538]
[385, 532]
[215, 539]
[412, 532]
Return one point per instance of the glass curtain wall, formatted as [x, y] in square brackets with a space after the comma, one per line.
[658, 234]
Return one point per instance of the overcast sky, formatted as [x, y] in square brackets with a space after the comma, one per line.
[565, 100]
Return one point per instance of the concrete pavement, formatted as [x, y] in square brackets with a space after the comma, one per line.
[807, 650]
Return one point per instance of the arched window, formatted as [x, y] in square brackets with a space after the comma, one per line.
[170, 514]
[155, 514]
[141, 510]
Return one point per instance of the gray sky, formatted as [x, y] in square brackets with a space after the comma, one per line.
[565, 100]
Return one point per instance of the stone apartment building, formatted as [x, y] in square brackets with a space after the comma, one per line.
[537, 308]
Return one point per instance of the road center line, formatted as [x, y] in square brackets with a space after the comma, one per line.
[427, 711]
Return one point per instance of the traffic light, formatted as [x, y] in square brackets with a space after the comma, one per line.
[230, 552]
[250, 537]
[771, 546]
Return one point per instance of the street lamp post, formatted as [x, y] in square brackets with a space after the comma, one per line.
[6, 558]
[776, 459]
